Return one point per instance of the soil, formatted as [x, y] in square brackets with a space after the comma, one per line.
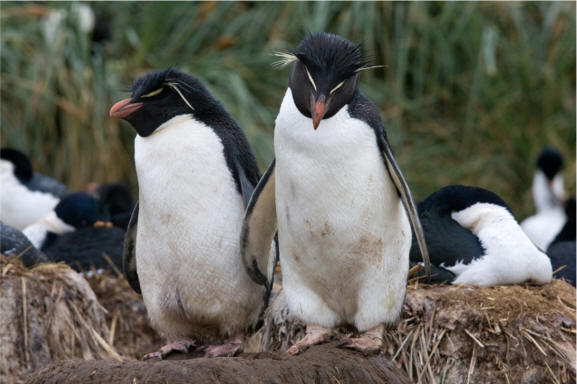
[320, 364]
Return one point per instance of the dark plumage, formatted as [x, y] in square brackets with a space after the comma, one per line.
[118, 201]
[88, 248]
[80, 210]
[328, 54]
[562, 250]
[14, 243]
[562, 254]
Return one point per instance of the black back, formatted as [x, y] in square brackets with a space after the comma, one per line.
[169, 103]
[550, 161]
[86, 248]
[447, 241]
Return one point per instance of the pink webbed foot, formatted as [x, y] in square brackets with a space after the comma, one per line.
[231, 347]
[315, 334]
[369, 342]
[183, 346]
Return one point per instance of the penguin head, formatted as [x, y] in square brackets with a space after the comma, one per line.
[549, 178]
[22, 168]
[550, 162]
[81, 210]
[325, 74]
[159, 96]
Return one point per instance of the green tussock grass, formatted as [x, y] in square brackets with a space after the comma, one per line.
[470, 92]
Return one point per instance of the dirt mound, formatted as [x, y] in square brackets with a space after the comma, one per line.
[320, 364]
[457, 334]
[48, 313]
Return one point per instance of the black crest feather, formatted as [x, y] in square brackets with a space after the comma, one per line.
[327, 52]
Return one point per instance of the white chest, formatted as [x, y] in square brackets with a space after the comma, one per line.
[190, 211]
[332, 179]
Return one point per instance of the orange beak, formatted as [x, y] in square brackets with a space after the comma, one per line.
[318, 110]
[124, 108]
[102, 224]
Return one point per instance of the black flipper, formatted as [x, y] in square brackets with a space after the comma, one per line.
[129, 254]
[259, 231]
[407, 200]
[246, 187]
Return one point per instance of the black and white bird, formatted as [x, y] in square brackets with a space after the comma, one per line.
[562, 250]
[26, 195]
[75, 211]
[473, 238]
[196, 173]
[548, 195]
[343, 208]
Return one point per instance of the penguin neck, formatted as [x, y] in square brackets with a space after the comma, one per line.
[547, 195]
[174, 121]
[51, 223]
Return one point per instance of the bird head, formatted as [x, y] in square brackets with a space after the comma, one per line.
[550, 163]
[22, 167]
[325, 74]
[82, 210]
[157, 97]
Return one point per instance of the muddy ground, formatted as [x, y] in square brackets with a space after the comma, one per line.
[320, 364]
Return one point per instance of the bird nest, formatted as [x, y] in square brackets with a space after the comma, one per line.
[459, 334]
[48, 313]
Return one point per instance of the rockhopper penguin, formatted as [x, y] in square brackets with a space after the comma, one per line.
[343, 208]
[195, 173]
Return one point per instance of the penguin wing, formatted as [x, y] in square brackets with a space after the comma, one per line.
[129, 252]
[259, 232]
[407, 199]
[246, 187]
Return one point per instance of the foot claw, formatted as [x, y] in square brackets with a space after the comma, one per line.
[365, 345]
[183, 346]
[314, 335]
[223, 350]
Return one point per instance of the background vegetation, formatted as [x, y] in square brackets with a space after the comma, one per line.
[471, 92]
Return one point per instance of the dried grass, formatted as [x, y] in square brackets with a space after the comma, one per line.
[459, 334]
[48, 313]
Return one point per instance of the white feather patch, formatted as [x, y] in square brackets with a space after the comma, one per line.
[510, 257]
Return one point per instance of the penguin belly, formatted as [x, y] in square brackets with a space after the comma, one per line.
[187, 247]
[344, 235]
